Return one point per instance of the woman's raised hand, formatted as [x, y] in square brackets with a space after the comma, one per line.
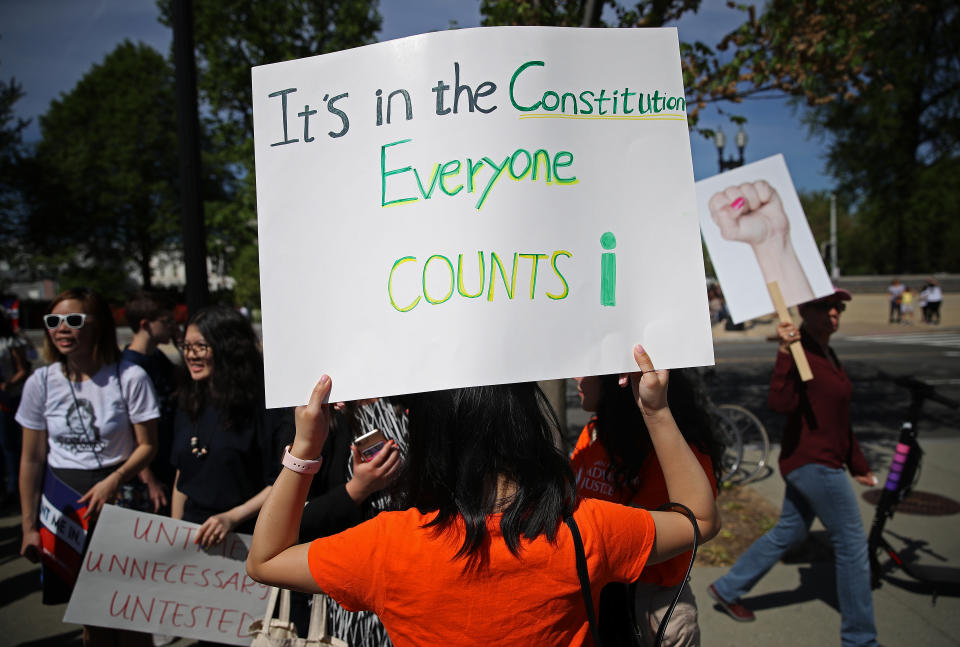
[649, 385]
[313, 422]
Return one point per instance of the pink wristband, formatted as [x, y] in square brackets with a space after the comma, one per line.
[300, 465]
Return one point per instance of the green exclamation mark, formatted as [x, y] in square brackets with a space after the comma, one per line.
[608, 271]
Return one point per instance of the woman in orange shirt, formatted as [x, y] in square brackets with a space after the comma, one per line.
[613, 462]
[480, 555]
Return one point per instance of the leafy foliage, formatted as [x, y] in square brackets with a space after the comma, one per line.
[11, 156]
[102, 186]
[232, 36]
[880, 77]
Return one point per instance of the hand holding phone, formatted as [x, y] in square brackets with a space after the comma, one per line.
[369, 444]
[376, 470]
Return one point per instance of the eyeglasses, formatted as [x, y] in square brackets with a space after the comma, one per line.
[73, 320]
[826, 306]
[199, 349]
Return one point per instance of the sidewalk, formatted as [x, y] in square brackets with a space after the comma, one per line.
[866, 314]
[796, 602]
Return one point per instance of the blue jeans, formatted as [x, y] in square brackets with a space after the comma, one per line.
[825, 492]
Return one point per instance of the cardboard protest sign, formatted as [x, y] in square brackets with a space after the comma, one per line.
[756, 233]
[476, 206]
[63, 530]
[144, 573]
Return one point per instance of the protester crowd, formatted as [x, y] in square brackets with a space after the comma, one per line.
[468, 493]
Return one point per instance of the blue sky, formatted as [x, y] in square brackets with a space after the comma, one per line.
[48, 45]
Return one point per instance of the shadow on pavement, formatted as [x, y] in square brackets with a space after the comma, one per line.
[19, 586]
[817, 582]
[66, 639]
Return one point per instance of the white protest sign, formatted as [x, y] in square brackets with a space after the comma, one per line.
[756, 232]
[144, 573]
[476, 206]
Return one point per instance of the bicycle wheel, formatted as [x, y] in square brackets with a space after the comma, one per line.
[729, 435]
[755, 444]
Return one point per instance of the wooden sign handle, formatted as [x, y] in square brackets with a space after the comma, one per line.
[796, 349]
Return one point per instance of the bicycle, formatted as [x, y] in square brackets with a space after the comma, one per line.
[903, 473]
[746, 441]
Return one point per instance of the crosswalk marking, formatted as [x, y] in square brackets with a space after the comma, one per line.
[943, 340]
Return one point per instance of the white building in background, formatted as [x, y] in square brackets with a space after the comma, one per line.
[169, 271]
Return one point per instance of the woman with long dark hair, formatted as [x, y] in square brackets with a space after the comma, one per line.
[226, 446]
[87, 417]
[480, 555]
[614, 460]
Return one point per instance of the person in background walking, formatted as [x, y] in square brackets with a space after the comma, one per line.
[934, 299]
[895, 292]
[14, 371]
[906, 305]
[150, 317]
[818, 443]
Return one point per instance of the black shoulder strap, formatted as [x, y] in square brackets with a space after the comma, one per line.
[584, 578]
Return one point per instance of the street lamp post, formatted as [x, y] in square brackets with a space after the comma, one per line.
[725, 165]
[721, 140]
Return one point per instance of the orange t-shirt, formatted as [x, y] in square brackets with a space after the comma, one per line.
[409, 577]
[590, 464]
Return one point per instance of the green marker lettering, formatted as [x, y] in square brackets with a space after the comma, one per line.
[608, 270]
[513, 80]
[443, 176]
[384, 173]
[460, 288]
[494, 178]
[553, 264]
[495, 262]
[400, 261]
[533, 270]
[450, 292]
[433, 181]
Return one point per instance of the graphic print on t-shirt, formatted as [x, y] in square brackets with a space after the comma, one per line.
[84, 433]
[592, 480]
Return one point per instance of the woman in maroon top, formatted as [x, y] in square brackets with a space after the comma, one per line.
[818, 443]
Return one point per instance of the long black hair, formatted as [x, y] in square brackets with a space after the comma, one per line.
[463, 440]
[622, 432]
[236, 384]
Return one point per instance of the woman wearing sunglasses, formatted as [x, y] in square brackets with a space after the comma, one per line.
[226, 446]
[818, 447]
[88, 418]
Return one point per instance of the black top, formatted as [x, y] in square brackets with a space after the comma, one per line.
[162, 373]
[240, 461]
[329, 508]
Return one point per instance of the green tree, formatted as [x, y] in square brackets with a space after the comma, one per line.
[882, 78]
[231, 37]
[11, 161]
[103, 182]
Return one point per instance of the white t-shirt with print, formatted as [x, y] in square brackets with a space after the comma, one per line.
[91, 422]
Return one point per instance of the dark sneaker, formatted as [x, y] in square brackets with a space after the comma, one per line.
[735, 610]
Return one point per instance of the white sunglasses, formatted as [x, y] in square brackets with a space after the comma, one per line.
[73, 320]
